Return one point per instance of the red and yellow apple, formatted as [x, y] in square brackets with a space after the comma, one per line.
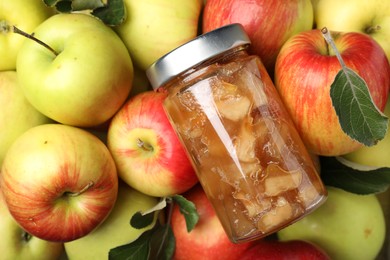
[59, 182]
[305, 69]
[16, 243]
[208, 239]
[268, 23]
[148, 154]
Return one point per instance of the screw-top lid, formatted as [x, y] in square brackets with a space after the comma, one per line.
[196, 51]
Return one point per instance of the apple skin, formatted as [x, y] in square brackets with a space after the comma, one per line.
[87, 82]
[348, 16]
[163, 169]
[346, 226]
[155, 27]
[304, 72]
[26, 15]
[43, 172]
[284, 250]
[15, 243]
[17, 115]
[115, 230]
[208, 239]
[268, 23]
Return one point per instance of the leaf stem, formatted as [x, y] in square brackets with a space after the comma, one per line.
[31, 37]
[86, 187]
[168, 222]
[330, 41]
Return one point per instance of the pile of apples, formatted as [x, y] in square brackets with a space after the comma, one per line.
[85, 142]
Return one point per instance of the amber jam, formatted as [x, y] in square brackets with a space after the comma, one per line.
[244, 147]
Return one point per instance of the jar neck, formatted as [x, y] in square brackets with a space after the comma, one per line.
[199, 69]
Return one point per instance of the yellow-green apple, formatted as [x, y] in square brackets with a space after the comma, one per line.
[86, 81]
[346, 226]
[154, 27]
[148, 154]
[305, 69]
[373, 156]
[59, 182]
[17, 115]
[16, 243]
[115, 230]
[21, 13]
[284, 250]
[208, 239]
[369, 17]
[268, 23]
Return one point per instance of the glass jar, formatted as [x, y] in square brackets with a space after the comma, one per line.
[248, 156]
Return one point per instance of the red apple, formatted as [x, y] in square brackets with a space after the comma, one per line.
[306, 67]
[59, 182]
[148, 154]
[268, 23]
[294, 249]
[16, 243]
[208, 239]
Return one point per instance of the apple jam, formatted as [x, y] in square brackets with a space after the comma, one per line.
[244, 147]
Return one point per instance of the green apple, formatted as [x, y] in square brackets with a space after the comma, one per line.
[86, 81]
[346, 226]
[115, 230]
[374, 156]
[21, 13]
[17, 115]
[370, 17]
[16, 243]
[154, 27]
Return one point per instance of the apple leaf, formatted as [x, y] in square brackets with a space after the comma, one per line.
[358, 116]
[162, 243]
[188, 209]
[336, 174]
[112, 14]
[139, 221]
[143, 219]
[139, 249]
[80, 5]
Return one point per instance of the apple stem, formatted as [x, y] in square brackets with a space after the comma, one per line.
[31, 37]
[329, 40]
[373, 29]
[86, 187]
[147, 147]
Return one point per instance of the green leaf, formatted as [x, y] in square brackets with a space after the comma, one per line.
[188, 209]
[112, 14]
[79, 5]
[359, 117]
[137, 250]
[139, 221]
[334, 173]
[64, 6]
[162, 243]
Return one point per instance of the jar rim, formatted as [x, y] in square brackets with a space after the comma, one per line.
[196, 51]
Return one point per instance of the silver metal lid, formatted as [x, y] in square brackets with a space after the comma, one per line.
[196, 51]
